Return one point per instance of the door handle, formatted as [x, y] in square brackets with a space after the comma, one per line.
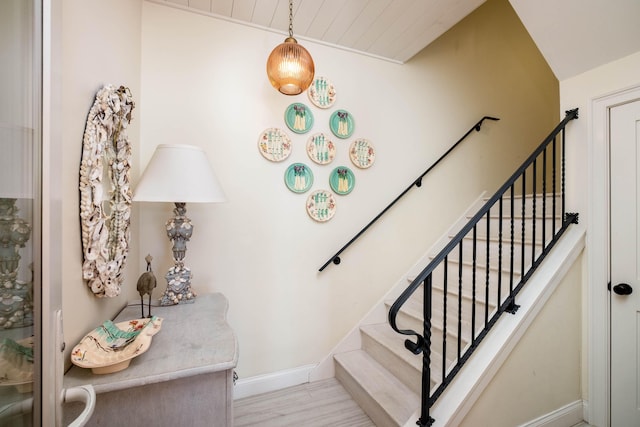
[622, 289]
[85, 394]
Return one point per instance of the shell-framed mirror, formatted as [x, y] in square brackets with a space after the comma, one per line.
[105, 191]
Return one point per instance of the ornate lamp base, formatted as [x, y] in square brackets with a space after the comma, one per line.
[178, 286]
[16, 297]
[179, 230]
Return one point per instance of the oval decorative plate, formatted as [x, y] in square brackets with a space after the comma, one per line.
[342, 124]
[111, 346]
[322, 93]
[321, 205]
[342, 180]
[298, 178]
[274, 145]
[362, 153]
[321, 149]
[298, 118]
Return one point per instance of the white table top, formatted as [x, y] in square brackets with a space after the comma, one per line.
[195, 339]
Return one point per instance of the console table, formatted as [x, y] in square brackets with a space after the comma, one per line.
[184, 378]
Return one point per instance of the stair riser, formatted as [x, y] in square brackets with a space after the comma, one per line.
[409, 322]
[528, 208]
[405, 372]
[437, 315]
[458, 308]
[494, 255]
[494, 229]
[467, 274]
[368, 404]
[453, 280]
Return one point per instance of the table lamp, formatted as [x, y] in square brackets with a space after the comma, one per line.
[180, 174]
[16, 183]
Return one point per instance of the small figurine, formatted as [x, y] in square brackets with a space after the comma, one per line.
[146, 284]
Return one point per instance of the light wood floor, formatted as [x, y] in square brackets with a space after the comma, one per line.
[318, 404]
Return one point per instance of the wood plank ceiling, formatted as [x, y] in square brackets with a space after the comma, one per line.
[392, 29]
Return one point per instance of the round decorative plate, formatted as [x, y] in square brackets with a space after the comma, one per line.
[274, 145]
[362, 153]
[298, 118]
[298, 178]
[321, 206]
[342, 180]
[341, 124]
[321, 149]
[111, 346]
[322, 93]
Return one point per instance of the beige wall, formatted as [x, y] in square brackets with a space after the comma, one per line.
[587, 194]
[203, 83]
[100, 45]
[543, 372]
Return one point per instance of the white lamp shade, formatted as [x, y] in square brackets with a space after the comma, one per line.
[16, 160]
[179, 173]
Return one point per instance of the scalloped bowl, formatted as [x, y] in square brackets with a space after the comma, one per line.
[111, 346]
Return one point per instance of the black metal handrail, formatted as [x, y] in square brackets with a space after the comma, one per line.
[417, 183]
[486, 306]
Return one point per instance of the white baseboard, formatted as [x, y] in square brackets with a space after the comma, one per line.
[566, 416]
[271, 382]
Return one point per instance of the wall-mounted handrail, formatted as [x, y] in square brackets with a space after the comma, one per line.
[476, 302]
[417, 183]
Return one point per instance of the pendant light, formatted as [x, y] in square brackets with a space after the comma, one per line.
[290, 67]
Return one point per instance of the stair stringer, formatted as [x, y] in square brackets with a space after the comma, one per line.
[459, 397]
[378, 314]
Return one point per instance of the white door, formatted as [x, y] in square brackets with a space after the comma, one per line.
[625, 264]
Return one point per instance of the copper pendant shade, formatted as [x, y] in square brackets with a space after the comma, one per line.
[290, 67]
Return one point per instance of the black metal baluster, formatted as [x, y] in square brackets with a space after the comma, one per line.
[425, 419]
[523, 221]
[460, 299]
[533, 216]
[500, 253]
[544, 197]
[511, 255]
[553, 217]
[486, 293]
[473, 285]
[562, 181]
[444, 322]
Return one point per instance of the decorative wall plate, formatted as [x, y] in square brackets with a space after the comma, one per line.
[362, 153]
[342, 180]
[298, 118]
[321, 205]
[16, 364]
[274, 144]
[342, 124]
[321, 149]
[298, 178]
[322, 93]
[111, 346]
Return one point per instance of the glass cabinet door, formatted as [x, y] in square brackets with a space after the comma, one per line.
[20, 253]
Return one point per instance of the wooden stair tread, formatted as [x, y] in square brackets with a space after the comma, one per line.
[391, 395]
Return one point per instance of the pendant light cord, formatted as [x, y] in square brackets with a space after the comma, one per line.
[291, 18]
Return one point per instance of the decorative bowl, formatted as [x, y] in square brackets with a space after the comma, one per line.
[111, 346]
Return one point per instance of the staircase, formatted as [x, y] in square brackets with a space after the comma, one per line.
[382, 375]
[455, 297]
